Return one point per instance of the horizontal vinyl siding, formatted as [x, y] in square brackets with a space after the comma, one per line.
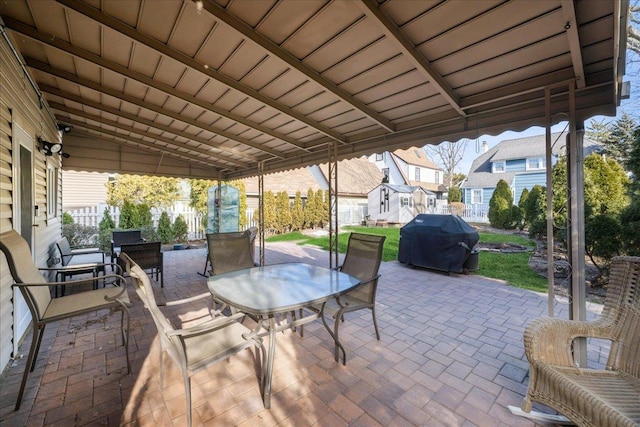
[19, 105]
[518, 165]
[6, 191]
[527, 180]
[83, 189]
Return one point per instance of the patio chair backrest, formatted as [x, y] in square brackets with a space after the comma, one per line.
[622, 311]
[229, 252]
[146, 255]
[142, 285]
[23, 270]
[363, 258]
[65, 250]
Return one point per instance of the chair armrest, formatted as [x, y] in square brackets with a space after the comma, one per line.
[188, 300]
[114, 266]
[549, 340]
[77, 282]
[208, 326]
[83, 251]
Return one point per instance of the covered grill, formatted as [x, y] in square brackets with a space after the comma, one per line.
[440, 242]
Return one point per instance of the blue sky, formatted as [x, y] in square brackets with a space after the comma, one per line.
[630, 106]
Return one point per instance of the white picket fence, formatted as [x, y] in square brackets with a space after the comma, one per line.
[91, 217]
[471, 213]
[347, 215]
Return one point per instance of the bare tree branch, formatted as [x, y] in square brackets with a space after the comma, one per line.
[448, 155]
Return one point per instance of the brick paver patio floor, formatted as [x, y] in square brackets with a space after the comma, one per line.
[451, 354]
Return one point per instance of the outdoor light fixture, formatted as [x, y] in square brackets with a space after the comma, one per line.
[49, 147]
[64, 128]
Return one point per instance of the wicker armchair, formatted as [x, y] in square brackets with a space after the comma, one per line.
[591, 397]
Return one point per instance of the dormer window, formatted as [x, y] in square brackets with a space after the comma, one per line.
[498, 167]
[417, 153]
[536, 163]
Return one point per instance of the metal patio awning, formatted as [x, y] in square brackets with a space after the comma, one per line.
[217, 88]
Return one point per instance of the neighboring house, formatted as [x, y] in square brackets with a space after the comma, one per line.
[83, 189]
[30, 188]
[399, 204]
[356, 179]
[520, 162]
[411, 167]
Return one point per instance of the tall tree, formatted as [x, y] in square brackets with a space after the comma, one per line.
[320, 208]
[154, 191]
[297, 213]
[310, 210]
[283, 212]
[269, 210]
[620, 141]
[448, 155]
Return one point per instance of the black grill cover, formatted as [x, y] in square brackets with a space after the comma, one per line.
[440, 242]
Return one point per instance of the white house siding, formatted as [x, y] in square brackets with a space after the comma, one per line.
[83, 189]
[19, 106]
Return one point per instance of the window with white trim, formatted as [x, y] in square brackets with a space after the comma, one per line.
[379, 157]
[417, 174]
[536, 163]
[406, 201]
[498, 167]
[476, 196]
[52, 191]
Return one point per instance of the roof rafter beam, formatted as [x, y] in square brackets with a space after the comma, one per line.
[38, 65]
[83, 101]
[275, 50]
[172, 146]
[188, 61]
[569, 13]
[149, 146]
[67, 47]
[391, 30]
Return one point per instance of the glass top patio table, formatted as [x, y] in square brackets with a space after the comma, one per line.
[279, 288]
[270, 290]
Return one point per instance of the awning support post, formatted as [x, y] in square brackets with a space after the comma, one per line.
[575, 209]
[333, 204]
[261, 210]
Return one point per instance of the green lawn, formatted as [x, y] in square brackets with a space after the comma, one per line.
[511, 267]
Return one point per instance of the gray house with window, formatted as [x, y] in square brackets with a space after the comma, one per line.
[520, 162]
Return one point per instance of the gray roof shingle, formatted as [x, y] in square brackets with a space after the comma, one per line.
[480, 175]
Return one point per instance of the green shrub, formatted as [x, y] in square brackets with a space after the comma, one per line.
[80, 235]
[502, 212]
[106, 223]
[67, 218]
[455, 195]
[180, 229]
[603, 239]
[149, 233]
[534, 212]
[165, 232]
[127, 215]
[143, 217]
